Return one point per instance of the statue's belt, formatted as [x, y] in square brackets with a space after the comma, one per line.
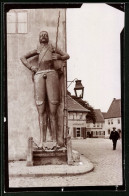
[46, 65]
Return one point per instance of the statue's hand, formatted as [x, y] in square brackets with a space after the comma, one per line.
[56, 56]
[34, 69]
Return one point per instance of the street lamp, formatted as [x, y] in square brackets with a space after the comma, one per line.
[79, 89]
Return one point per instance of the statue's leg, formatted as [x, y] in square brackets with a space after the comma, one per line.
[53, 121]
[52, 87]
[42, 124]
[40, 96]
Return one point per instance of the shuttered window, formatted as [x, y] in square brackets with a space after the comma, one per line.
[74, 131]
[83, 132]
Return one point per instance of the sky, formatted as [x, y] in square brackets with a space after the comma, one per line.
[93, 43]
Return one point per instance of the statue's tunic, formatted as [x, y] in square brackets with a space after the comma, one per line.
[46, 79]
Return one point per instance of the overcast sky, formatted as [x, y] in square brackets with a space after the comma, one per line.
[93, 43]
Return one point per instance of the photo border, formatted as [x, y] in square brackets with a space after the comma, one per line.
[125, 110]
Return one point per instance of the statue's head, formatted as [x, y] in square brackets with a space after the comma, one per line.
[43, 37]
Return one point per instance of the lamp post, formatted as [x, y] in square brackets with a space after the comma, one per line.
[79, 89]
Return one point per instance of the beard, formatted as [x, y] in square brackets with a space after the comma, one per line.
[44, 40]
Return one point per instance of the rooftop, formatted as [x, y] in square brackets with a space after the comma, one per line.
[74, 106]
[104, 114]
[98, 115]
[114, 110]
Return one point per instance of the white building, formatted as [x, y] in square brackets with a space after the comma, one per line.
[113, 118]
[95, 130]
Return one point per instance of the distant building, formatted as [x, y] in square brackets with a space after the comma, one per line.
[113, 117]
[96, 130]
[76, 119]
[80, 127]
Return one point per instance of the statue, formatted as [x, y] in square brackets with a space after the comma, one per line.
[46, 85]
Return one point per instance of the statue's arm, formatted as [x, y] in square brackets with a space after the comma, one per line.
[26, 56]
[62, 55]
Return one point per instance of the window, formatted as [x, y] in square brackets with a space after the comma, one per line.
[96, 132]
[97, 125]
[109, 131]
[74, 115]
[78, 133]
[94, 125]
[70, 115]
[102, 132]
[118, 121]
[80, 115]
[109, 122]
[17, 22]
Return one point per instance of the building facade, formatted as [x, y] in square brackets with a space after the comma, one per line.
[96, 130]
[113, 118]
[76, 119]
[81, 128]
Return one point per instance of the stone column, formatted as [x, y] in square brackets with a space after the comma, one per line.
[30, 152]
[69, 151]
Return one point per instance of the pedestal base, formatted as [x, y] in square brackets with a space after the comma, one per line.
[41, 157]
[36, 156]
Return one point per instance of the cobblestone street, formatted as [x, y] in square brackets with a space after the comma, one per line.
[107, 167]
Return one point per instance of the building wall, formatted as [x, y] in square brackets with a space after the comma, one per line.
[22, 112]
[95, 130]
[110, 123]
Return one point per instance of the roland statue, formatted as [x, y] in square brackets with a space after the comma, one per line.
[46, 85]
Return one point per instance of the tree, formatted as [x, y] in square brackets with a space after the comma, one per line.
[91, 115]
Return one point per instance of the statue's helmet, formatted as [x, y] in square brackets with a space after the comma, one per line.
[43, 37]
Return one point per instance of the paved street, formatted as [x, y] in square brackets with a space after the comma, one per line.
[107, 171]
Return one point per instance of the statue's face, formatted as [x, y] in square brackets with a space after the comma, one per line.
[43, 37]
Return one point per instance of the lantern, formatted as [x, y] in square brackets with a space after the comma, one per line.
[79, 89]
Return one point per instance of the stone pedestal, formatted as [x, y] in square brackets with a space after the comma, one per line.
[37, 156]
[69, 151]
[41, 157]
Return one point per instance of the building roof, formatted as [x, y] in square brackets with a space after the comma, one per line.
[99, 116]
[104, 114]
[74, 106]
[114, 110]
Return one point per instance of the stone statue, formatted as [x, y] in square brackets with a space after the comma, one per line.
[46, 85]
